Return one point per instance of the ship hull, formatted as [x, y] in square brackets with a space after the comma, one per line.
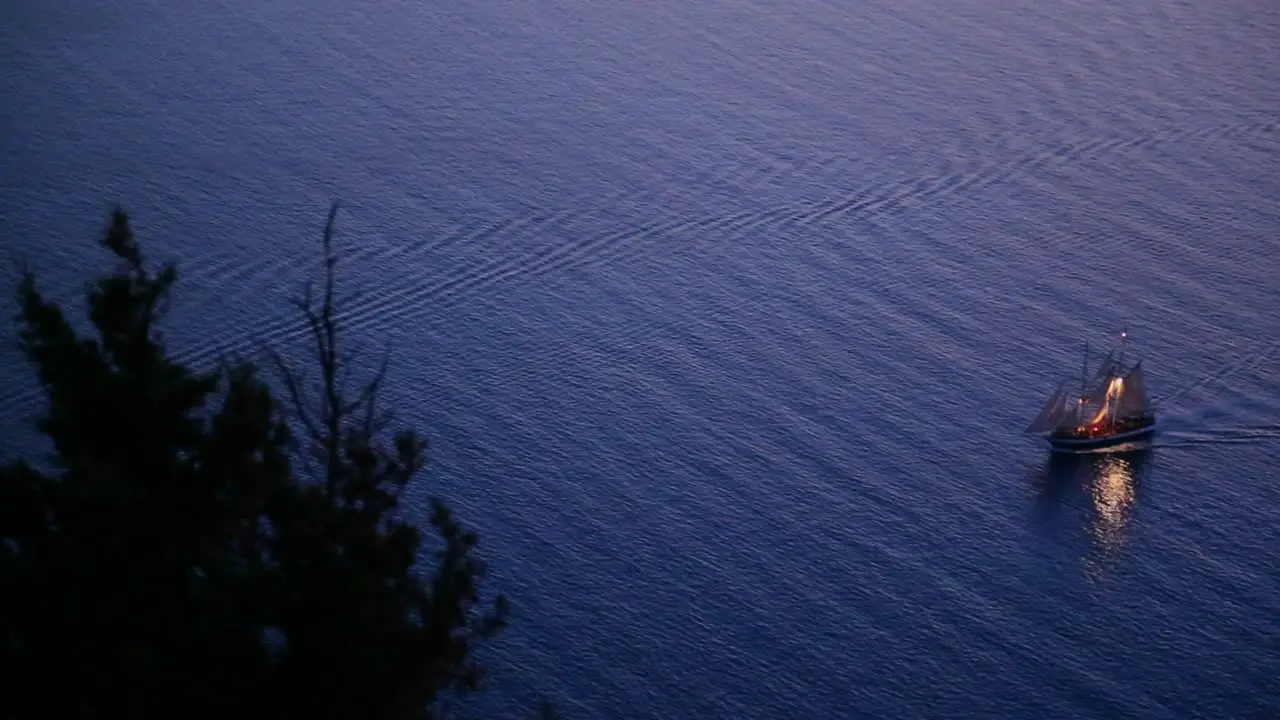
[1067, 443]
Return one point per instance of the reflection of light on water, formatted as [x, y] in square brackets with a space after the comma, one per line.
[1112, 490]
[1102, 488]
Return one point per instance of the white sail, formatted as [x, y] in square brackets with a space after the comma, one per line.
[1051, 415]
[1133, 397]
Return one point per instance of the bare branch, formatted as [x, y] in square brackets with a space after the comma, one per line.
[370, 395]
[315, 327]
[326, 340]
[295, 396]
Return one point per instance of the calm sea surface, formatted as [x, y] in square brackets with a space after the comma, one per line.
[724, 318]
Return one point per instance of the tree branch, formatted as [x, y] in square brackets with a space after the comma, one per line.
[327, 340]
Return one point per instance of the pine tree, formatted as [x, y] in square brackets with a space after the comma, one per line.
[198, 546]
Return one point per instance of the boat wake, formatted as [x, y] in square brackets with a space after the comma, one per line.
[1247, 362]
[1188, 426]
[1118, 448]
[1237, 435]
[1166, 439]
[541, 242]
[466, 261]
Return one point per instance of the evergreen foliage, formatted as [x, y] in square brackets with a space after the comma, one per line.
[201, 544]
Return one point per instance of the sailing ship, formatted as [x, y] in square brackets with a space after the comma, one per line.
[1111, 407]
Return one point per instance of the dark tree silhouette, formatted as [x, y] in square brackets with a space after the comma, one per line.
[184, 552]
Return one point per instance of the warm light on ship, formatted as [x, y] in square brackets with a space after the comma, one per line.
[1111, 405]
[1115, 386]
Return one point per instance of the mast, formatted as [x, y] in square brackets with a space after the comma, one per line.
[1111, 411]
[1084, 377]
[1124, 339]
[1084, 370]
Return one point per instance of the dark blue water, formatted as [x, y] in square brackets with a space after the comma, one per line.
[724, 318]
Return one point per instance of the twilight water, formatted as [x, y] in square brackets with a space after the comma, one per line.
[724, 318]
